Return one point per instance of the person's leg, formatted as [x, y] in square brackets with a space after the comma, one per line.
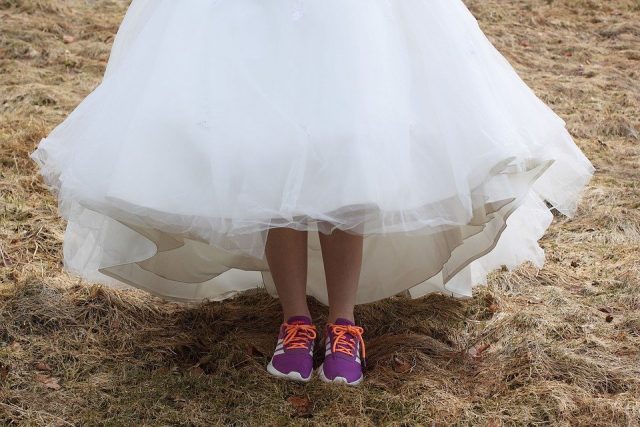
[344, 347]
[342, 257]
[286, 253]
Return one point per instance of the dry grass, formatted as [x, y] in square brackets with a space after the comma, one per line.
[558, 346]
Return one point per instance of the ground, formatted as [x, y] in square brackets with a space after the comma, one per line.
[556, 346]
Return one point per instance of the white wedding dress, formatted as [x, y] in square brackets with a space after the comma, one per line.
[219, 119]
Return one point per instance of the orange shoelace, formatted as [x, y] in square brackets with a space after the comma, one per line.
[298, 336]
[344, 344]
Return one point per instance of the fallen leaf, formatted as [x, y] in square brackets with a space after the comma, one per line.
[49, 382]
[4, 372]
[178, 398]
[252, 350]
[41, 366]
[534, 300]
[205, 359]
[400, 366]
[301, 404]
[609, 318]
[163, 370]
[606, 310]
[68, 39]
[196, 371]
[476, 351]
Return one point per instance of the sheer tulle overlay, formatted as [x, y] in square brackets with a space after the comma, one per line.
[218, 120]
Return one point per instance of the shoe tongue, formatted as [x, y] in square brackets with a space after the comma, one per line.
[343, 321]
[299, 320]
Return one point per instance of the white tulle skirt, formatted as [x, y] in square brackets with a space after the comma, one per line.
[217, 120]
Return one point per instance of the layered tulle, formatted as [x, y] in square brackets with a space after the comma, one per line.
[218, 120]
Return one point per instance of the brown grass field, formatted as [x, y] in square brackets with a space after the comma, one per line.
[558, 346]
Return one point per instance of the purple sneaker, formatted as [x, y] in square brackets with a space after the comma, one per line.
[342, 363]
[293, 356]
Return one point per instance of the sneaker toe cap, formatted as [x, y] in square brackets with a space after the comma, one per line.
[334, 367]
[287, 363]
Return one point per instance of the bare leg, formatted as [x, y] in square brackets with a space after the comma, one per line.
[342, 257]
[286, 253]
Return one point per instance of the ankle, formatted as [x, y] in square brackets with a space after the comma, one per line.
[287, 315]
[333, 316]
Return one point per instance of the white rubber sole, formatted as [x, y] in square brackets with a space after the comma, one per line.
[291, 375]
[337, 380]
